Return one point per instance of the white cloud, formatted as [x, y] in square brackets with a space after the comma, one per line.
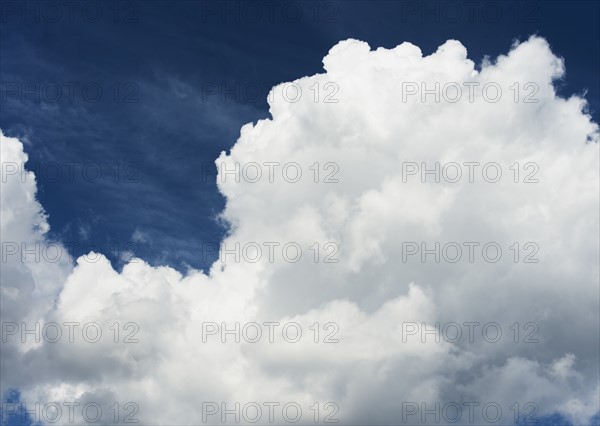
[372, 212]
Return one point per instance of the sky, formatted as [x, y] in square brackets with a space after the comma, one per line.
[125, 111]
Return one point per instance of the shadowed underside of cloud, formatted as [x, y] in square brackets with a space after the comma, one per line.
[370, 134]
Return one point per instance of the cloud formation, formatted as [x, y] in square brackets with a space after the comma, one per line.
[437, 192]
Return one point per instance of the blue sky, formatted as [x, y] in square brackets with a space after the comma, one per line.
[163, 64]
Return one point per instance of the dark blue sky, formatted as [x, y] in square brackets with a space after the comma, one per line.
[125, 89]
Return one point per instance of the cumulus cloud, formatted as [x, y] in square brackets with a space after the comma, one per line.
[361, 134]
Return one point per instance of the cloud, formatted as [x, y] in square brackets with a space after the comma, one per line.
[363, 135]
